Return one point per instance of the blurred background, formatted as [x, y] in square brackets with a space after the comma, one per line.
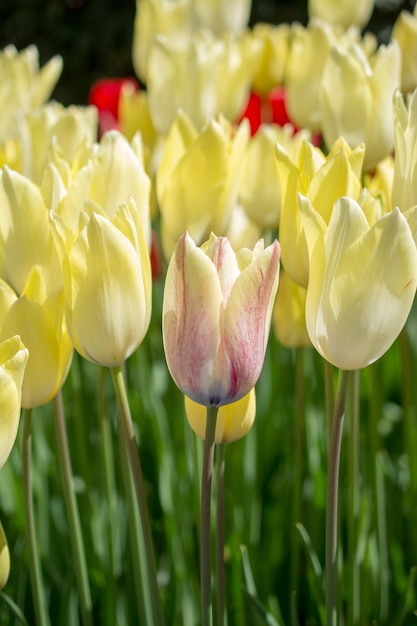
[94, 37]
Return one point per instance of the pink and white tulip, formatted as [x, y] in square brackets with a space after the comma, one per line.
[216, 317]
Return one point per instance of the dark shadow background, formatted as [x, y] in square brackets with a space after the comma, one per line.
[94, 37]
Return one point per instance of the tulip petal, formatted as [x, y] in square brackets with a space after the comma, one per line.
[246, 324]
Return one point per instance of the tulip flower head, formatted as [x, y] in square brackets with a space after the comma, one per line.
[216, 317]
[362, 281]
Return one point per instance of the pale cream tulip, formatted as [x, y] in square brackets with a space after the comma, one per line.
[216, 317]
[204, 78]
[13, 360]
[404, 186]
[25, 234]
[322, 179]
[362, 281]
[356, 99]
[38, 318]
[221, 17]
[405, 33]
[198, 178]
[107, 284]
[275, 41]
[343, 13]
[233, 421]
[23, 85]
[158, 17]
[260, 188]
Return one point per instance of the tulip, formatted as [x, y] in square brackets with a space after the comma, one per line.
[323, 180]
[404, 185]
[362, 281]
[105, 96]
[217, 310]
[288, 321]
[405, 33]
[198, 179]
[308, 55]
[222, 17]
[107, 286]
[13, 359]
[25, 234]
[233, 422]
[260, 189]
[222, 72]
[275, 42]
[36, 131]
[38, 319]
[344, 13]
[153, 18]
[356, 99]
[25, 85]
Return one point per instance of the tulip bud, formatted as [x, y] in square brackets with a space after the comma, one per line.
[289, 321]
[4, 558]
[362, 281]
[233, 421]
[216, 317]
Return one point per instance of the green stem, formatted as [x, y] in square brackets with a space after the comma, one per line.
[332, 587]
[111, 497]
[205, 512]
[298, 467]
[220, 534]
[353, 608]
[131, 449]
[38, 591]
[71, 506]
[329, 395]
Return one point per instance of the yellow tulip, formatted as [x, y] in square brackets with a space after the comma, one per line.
[222, 17]
[25, 234]
[288, 321]
[198, 178]
[275, 40]
[13, 360]
[107, 284]
[356, 99]
[4, 558]
[343, 13]
[260, 188]
[38, 318]
[323, 180]
[25, 86]
[404, 185]
[233, 422]
[405, 33]
[154, 18]
[207, 77]
[216, 317]
[308, 55]
[362, 281]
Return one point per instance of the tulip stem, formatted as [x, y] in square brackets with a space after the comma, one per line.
[72, 511]
[38, 591]
[332, 587]
[220, 464]
[353, 608]
[130, 445]
[205, 512]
